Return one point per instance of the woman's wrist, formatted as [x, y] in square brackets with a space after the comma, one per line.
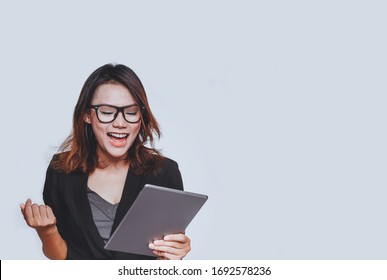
[48, 231]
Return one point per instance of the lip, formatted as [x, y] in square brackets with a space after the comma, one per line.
[118, 143]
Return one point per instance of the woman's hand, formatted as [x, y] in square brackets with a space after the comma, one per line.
[172, 247]
[39, 217]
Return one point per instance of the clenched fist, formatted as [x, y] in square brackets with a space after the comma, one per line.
[39, 217]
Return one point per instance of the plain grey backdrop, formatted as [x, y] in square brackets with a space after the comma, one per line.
[274, 109]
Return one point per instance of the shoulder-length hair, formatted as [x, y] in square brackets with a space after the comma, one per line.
[78, 151]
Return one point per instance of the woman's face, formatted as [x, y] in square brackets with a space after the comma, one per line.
[113, 139]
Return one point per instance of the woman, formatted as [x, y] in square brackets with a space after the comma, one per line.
[102, 166]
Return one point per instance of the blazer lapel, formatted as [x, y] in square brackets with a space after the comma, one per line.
[85, 216]
[133, 186]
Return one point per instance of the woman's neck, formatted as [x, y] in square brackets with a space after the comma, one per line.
[105, 161]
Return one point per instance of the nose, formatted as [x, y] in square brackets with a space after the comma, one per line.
[120, 121]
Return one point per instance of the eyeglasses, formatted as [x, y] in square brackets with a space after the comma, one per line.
[108, 113]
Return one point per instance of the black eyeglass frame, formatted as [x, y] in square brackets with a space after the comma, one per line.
[119, 109]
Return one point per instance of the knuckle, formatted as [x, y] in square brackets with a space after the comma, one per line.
[31, 224]
[39, 223]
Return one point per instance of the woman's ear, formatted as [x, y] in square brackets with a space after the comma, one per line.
[86, 118]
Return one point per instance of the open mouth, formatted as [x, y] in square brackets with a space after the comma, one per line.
[118, 135]
[118, 139]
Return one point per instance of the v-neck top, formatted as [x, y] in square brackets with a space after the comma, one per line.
[103, 213]
[67, 195]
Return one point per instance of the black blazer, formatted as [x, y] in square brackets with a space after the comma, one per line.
[66, 195]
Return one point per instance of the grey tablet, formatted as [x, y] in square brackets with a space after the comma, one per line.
[156, 212]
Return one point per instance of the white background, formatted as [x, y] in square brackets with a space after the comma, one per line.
[275, 109]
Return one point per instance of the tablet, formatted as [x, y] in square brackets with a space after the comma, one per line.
[156, 212]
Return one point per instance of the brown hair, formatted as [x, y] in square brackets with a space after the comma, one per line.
[78, 151]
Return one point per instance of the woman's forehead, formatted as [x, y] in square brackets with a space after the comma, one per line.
[114, 94]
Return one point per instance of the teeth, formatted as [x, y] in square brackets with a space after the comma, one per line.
[118, 135]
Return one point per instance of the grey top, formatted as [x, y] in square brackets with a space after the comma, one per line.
[103, 214]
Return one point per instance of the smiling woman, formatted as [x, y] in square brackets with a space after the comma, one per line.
[100, 169]
[115, 86]
[112, 130]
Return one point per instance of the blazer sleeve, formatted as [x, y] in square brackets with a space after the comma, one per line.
[174, 179]
[52, 197]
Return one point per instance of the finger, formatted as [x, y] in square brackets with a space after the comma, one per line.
[35, 211]
[26, 205]
[157, 253]
[166, 249]
[42, 211]
[173, 244]
[180, 237]
[22, 207]
[28, 202]
[50, 214]
[28, 215]
[43, 215]
[167, 256]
